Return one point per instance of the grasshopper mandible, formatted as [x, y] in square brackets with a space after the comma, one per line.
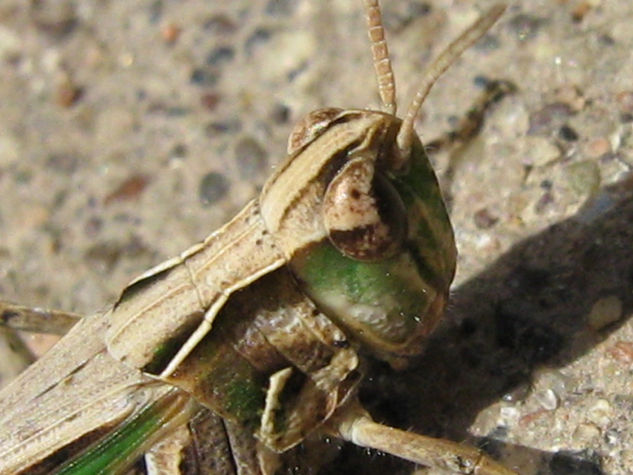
[349, 247]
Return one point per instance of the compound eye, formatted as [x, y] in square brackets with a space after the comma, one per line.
[363, 212]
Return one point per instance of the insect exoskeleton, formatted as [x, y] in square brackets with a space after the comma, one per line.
[349, 248]
[368, 239]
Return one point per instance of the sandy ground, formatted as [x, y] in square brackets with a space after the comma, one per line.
[130, 130]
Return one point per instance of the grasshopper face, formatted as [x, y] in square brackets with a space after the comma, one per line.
[378, 254]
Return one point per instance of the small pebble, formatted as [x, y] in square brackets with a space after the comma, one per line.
[544, 202]
[600, 413]
[571, 96]
[10, 43]
[551, 388]
[220, 55]
[509, 415]
[62, 162]
[130, 189]
[540, 151]
[624, 100]
[604, 312]
[584, 177]
[280, 114]
[531, 417]
[178, 152]
[484, 219]
[280, 7]
[210, 100]
[220, 25]
[155, 11]
[258, 37]
[214, 129]
[213, 187]
[68, 94]
[580, 11]
[251, 157]
[203, 77]
[598, 147]
[104, 255]
[525, 26]
[92, 227]
[622, 351]
[519, 393]
[55, 17]
[546, 119]
[584, 434]
[170, 33]
[547, 399]
[611, 437]
[567, 133]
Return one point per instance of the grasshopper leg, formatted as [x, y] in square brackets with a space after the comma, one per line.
[207, 444]
[355, 425]
[15, 355]
[470, 125]
[458, 139]
[37, 320]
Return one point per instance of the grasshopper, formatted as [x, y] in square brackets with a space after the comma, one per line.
[259, 332]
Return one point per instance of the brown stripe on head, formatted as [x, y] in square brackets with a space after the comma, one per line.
[292, 199]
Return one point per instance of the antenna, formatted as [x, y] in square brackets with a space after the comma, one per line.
[380, 54]
[441, 64]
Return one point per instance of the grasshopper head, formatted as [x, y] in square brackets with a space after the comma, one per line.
[357, 210]
[380, 255]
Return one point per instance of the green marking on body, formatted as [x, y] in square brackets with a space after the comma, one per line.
[385, 297]
[390, 303]
[245, 399]
[135, 435]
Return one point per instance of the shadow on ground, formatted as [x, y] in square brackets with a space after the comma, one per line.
[527, 310]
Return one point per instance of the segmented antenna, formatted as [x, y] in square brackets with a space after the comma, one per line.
[441, 64]
[380, 54]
